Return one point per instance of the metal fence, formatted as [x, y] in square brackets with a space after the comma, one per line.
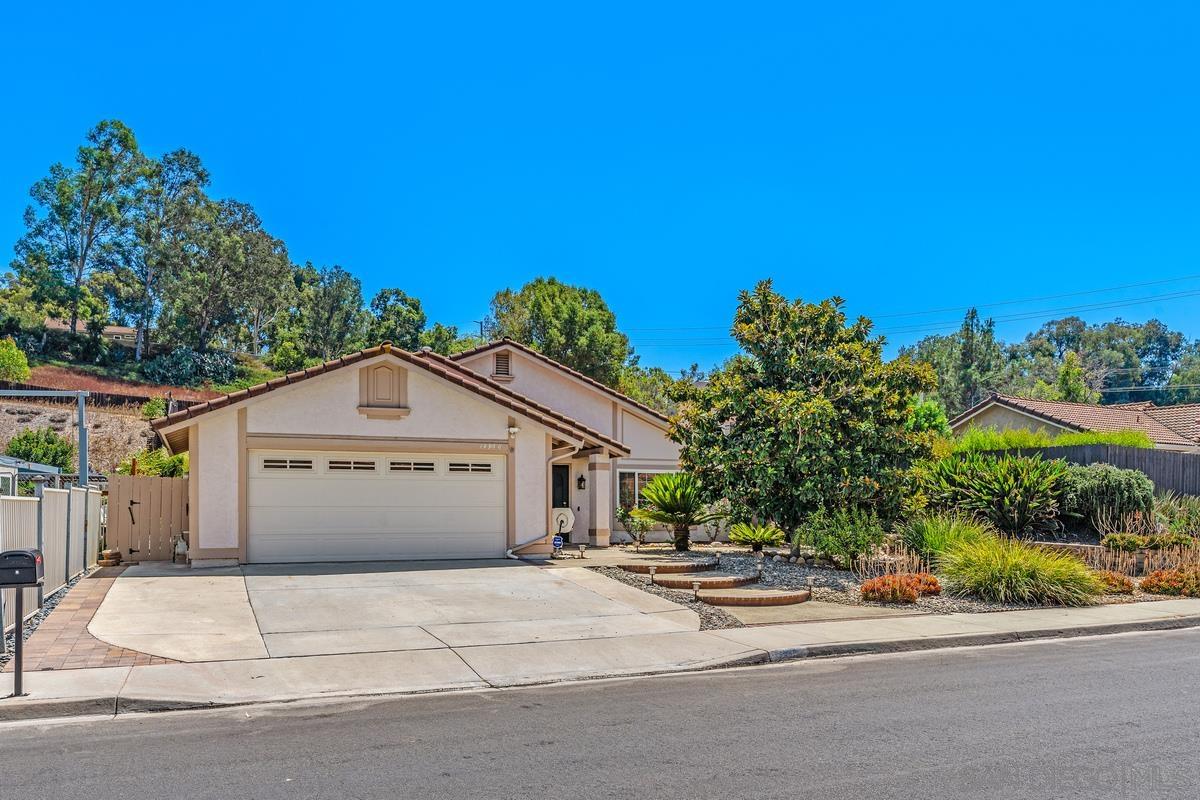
[1169, 469]
[65, 525]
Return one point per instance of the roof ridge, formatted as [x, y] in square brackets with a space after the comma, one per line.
[531, 409]
[505, 340]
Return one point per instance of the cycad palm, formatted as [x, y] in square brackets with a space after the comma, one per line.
[674, 499]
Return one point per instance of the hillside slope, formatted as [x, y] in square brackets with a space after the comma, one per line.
[112, 437]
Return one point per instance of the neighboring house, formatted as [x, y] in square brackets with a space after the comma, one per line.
[1169, 427]
[11, 469]
[386, 454]
[119, 334]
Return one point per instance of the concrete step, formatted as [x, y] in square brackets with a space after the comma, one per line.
[669, 567]
[707, 580]
[754, 595]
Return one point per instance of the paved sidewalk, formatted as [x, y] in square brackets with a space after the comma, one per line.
[62, 640]
[173, 686]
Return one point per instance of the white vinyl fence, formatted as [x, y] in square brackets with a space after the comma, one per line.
[65, 524]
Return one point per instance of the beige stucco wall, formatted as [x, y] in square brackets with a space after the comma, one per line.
[1005, 419]
[216, 467]
[552, 388]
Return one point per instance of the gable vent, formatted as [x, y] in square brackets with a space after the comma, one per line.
[412, 466]
[464, 466]
[503, 364]
[293, 464]
[350, 465]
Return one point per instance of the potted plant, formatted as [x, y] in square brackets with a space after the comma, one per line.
[673, 499]
[755, 535]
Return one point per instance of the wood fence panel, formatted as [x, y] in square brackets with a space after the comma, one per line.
[144, 513]
[1169, 469]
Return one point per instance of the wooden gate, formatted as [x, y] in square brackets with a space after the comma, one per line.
[144, 514]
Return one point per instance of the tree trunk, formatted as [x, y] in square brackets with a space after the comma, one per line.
[683, 538]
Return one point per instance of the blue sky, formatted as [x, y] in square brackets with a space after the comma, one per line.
[907, 156]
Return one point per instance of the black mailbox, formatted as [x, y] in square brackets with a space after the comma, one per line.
[22, 568]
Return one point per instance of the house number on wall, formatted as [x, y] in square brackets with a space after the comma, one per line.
[491, 446]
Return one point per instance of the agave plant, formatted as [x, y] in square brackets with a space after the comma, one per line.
[674, 499]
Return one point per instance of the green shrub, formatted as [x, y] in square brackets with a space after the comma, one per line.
[1124, 542]
[1017, 494]
[157, 463]
[1132, 542]
[927, 415]
[1101, 492]
[756, 536]
[634, 525]
[44, 446]
[847, 534]
[1009, 571]
[14, 366]
[1179, 512]
[1181, 582]
[930, 535]
[154, 408]
[977, 440]
[184, 366]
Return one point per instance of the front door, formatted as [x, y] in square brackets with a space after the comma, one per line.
[560, 490]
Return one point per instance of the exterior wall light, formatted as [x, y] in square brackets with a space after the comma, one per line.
[581, 482]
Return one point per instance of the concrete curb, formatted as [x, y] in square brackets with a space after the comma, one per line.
[835, 649]
[109, 705]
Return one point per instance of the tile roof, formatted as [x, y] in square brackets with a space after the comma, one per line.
[429, 361]
[1183, 418]
[1088, 417]
[595, 384]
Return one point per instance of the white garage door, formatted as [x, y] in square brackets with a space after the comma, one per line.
[320, 506]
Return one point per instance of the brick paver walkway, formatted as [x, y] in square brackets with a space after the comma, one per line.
[62, 640]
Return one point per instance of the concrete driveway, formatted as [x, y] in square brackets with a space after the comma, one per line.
[295, 610]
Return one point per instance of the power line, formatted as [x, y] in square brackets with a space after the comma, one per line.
[968, 307]
[952, 324]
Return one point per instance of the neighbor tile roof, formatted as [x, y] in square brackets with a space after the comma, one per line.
[1183, 418]
[429, 361]
[1087, 417]
[595, 384]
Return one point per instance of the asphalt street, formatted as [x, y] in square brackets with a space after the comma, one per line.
[1105, 717]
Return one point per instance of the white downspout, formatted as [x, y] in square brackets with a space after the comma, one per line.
[551, 459]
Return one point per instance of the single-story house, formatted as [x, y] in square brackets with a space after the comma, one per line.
[388, 454]
[120, 334]
[1169, 427]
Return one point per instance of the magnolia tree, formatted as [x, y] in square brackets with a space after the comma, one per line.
[809, 416]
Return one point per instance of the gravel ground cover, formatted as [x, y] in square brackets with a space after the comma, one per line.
[829, 584]
[711, 617]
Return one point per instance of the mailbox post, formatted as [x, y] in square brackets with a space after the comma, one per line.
[20, 570]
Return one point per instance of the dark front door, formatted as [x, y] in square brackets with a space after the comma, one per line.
[560, 483]
[560, 490]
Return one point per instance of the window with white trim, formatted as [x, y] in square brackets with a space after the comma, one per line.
[287, 464]
[630, 484]
[350, 465]
[412, 466]
[469, 466]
